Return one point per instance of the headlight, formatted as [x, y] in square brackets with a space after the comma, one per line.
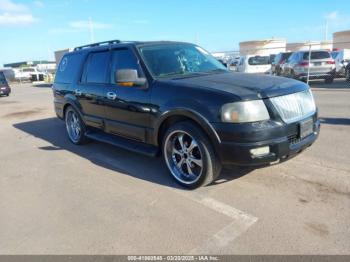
[244, 112]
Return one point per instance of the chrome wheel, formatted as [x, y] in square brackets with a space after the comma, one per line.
[73, 126]
[183, 157]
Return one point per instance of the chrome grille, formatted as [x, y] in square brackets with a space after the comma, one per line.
[294, 107]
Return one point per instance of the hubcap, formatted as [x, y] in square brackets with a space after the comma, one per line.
[73, 126]
[183, 157]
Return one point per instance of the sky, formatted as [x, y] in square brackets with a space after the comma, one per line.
[34, 29]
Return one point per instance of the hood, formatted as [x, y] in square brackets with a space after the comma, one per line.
[245, 86]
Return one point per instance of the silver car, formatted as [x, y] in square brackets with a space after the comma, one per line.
[320, 66]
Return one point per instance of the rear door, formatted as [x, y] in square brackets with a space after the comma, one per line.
[320, 62]
[92, 87]
[127, 107]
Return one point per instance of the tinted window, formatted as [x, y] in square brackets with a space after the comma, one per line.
[68, 68]
[277, 58]
[97, 67]
[2, 79]
[124, 59]
[293, 57]
[317, 55]
[259, 60]
[285, 56]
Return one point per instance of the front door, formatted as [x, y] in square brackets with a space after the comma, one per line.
[92, 88]
[127, 107]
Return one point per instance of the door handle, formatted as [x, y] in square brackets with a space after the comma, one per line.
[78, 92]
[111, 95]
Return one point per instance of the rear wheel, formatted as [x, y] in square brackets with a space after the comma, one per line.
[75, 126]
[189, 155]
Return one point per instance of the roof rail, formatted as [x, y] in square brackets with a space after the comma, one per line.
[110, 42]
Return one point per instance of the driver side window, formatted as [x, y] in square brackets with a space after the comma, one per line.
[124, 59]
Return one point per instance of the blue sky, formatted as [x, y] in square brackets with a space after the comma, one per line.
[32, 30]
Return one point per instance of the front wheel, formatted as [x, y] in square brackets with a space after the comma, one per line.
[189, 155]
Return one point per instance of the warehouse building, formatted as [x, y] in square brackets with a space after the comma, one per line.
[341, 40]
[315, 45]
[262, 47]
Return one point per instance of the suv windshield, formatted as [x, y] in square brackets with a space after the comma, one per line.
[259, 60]
[166, 60]
[317, 55]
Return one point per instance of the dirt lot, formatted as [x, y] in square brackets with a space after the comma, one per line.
[57, 198]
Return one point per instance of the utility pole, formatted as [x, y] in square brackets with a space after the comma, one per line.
[91, 29]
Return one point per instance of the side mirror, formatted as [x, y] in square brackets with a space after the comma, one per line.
[129, 77]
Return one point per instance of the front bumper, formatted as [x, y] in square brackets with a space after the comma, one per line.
[283, 141]
[316, 75]
[5, 91]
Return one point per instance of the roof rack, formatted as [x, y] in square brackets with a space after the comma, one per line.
[110, 42]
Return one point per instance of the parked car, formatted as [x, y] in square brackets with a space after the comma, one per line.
[254, 64]
[29, 74]
[5, 89]
[321, 66]
[278, 62]
[341, 59]
[176, 99]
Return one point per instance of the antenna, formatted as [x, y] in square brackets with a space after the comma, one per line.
[91, 29]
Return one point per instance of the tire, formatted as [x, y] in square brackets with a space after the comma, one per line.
[189, 155]
[75, 127]
[347, 74]
[329, 80]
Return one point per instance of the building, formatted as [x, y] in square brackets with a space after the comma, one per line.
[262, 47]
[60, 53]
[43, 63]
[341, 40]
[315, 45]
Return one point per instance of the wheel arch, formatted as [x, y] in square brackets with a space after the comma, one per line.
[179, 115]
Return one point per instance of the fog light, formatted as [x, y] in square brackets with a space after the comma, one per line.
[260, 151]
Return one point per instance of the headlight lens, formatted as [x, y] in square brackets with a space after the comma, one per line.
[244, 112]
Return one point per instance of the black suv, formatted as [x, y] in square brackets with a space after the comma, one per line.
[176, 99]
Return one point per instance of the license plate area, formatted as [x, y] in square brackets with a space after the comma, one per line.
[306, 128]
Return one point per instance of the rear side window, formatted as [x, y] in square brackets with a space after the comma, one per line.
[124, 59]
[68, 68]
[97, 67]
[317, 55]
[259, 60]
[285, 56]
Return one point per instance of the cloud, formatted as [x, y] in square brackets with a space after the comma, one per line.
[80, 26]
[332, 15]
[13, 14]
[10, 6]
[85, 24]
[16, 19]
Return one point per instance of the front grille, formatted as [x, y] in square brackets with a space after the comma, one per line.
[294, 107]
[294, 139]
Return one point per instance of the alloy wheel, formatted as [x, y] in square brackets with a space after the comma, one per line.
[73, 126]
[183, 157]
